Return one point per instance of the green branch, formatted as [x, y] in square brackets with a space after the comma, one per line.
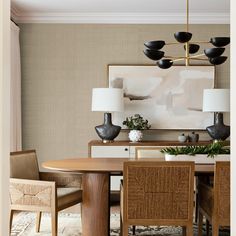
[210, 150]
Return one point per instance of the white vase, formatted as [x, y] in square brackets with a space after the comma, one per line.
[135, 135]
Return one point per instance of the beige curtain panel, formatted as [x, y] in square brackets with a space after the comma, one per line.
[15, 91]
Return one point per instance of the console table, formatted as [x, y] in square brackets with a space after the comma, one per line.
[126, 149]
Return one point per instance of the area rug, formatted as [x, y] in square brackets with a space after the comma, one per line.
[70, 225]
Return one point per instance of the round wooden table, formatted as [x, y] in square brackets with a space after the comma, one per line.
[96, 187]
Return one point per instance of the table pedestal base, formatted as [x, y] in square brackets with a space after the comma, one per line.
[95, 205]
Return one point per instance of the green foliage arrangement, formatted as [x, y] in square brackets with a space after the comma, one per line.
[136, 122]
[211, 150]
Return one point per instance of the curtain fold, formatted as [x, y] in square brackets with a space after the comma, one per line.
[15, 91]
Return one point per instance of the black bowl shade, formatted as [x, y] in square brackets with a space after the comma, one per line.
[153, 54]
[156, 45]
[214, 52]
[182, 37]
[217, 60]
[165, 63]
[220, 41]
[193, 48]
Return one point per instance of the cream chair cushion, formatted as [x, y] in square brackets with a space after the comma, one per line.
[24, 166]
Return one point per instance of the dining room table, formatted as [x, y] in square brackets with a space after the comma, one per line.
[96, 187]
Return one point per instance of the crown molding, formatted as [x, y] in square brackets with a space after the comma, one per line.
[14, 12]
[119, 18]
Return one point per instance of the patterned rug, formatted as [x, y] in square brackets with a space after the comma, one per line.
[70, 225]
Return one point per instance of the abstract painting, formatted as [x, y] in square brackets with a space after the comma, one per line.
[169, 99]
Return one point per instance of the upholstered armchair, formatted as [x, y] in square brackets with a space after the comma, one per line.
[31, 190]
[157, 193]
[214, 201]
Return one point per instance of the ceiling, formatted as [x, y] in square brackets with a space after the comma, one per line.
[120, 11]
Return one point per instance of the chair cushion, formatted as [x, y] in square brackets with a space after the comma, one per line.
[24, 165]
[67, 197]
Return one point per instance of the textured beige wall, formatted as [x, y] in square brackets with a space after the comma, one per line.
[61, 63]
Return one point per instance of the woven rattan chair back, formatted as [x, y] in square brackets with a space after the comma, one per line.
[158, 193]
[222, 192]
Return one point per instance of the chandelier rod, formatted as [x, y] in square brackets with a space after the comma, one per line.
[187, 29]
[187, 9]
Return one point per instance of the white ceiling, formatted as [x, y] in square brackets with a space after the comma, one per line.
[120, 11]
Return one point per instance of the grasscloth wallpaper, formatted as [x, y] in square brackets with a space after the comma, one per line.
[61, 63]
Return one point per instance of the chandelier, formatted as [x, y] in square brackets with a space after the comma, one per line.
[213, 54]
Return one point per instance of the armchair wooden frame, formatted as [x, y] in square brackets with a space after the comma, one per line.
[41, 195]
[214, 202]
[145, 180]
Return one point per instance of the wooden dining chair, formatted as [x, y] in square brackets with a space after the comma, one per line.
[214, 201]
[155, 152]
[157, 193]
[31, 190]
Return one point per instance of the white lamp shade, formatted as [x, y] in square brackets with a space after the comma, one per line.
[107, 99]
[216, 100]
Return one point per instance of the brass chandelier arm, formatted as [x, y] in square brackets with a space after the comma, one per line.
[171, 57]
[189, 57]
[184, 58]
[174, 43]
[199, 59]
[195, 42]
[201, 42]
[179, 59]
[199, 55]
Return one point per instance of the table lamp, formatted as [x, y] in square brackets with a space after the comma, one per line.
[107, 100]
[217, 101]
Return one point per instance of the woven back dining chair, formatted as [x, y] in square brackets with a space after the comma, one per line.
[214, 201]
[31, 190]
[157, 193]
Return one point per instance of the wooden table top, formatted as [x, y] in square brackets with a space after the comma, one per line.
[111, 165]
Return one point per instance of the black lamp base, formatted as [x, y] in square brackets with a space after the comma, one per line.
[107, 132]
[218, 131]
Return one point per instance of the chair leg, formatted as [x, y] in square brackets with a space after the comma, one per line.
[10, 219]
[121, 226]
[125, 229]
[38, 221]
[133, 228]
[183, 231]
[200, 221]
[207, 228]
[54, 223]
[189, 230]
[215, 229]
[196, 208]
